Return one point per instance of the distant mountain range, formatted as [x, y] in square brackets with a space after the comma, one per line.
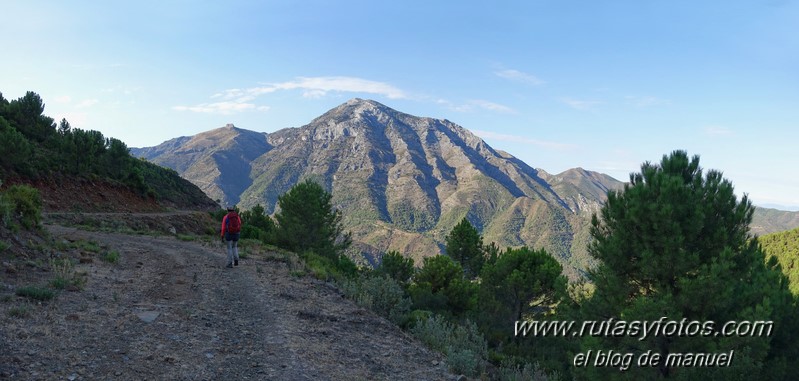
[401, 181]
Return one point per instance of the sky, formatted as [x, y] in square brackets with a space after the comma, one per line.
[602, 85]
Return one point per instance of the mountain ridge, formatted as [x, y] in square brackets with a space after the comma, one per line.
[401, 181]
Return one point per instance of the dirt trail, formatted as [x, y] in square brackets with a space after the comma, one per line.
[170, 310]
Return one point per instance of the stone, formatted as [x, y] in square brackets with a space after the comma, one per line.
[148, 316]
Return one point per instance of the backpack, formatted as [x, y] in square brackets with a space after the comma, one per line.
[233, 223]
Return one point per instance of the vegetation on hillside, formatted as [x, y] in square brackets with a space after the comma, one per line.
[35, 147]
[673, 245]
[785, 247]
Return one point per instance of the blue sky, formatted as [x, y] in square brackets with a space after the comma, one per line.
[603, 85]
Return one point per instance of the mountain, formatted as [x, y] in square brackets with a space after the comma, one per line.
[401, 181]
[217, 161]
[766, 220]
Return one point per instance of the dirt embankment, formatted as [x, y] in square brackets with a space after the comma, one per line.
[168, 309]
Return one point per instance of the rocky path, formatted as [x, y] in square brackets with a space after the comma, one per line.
[169, 310]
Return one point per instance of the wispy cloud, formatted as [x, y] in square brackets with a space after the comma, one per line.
[473, 104]
[225, 107]
[63, 99]
[240, 100]
[87, 103]
[315, 87]
[717, 131]
[526, 140]
[491, 106]
[578, 104]
[518, 76]
[646, 101]
[121, 90]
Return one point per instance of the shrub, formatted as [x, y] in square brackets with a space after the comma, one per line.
[65, 274]
[111, 256]
[36, 293]
[441, 288]
[465, 348]
[25, 202]
[382, 295]
[397, 267]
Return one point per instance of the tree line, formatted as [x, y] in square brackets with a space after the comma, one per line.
[35, 147]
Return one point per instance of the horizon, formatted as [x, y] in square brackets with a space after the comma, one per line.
[604, 87]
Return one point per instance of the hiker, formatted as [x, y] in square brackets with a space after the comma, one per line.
[231, 228]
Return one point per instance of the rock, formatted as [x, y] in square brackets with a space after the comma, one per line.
[148, 316]
[172, 230]
[461, 378]
[435, 362]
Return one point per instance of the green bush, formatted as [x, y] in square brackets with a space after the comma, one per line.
[465, 348]
[382, 295]
[25, 202]
[36, 293]
[65, 274]
[396, 266]
[440, 287]
[325, 268]
[111, 256]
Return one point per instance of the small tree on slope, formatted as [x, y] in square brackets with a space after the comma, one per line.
[307, 221]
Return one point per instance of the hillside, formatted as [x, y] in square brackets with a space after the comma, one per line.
[401, 181]
[785, 247]
[217, 161]
[79, 170]
[166, 308]
[766, 220]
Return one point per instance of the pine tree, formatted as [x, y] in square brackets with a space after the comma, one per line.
[307, 221]
[676, 244]
[396, 267]
[465, 245]
[521, 283]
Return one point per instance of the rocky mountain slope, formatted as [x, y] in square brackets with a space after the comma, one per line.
[401, 181]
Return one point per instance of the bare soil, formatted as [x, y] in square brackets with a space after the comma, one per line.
[170, 310]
